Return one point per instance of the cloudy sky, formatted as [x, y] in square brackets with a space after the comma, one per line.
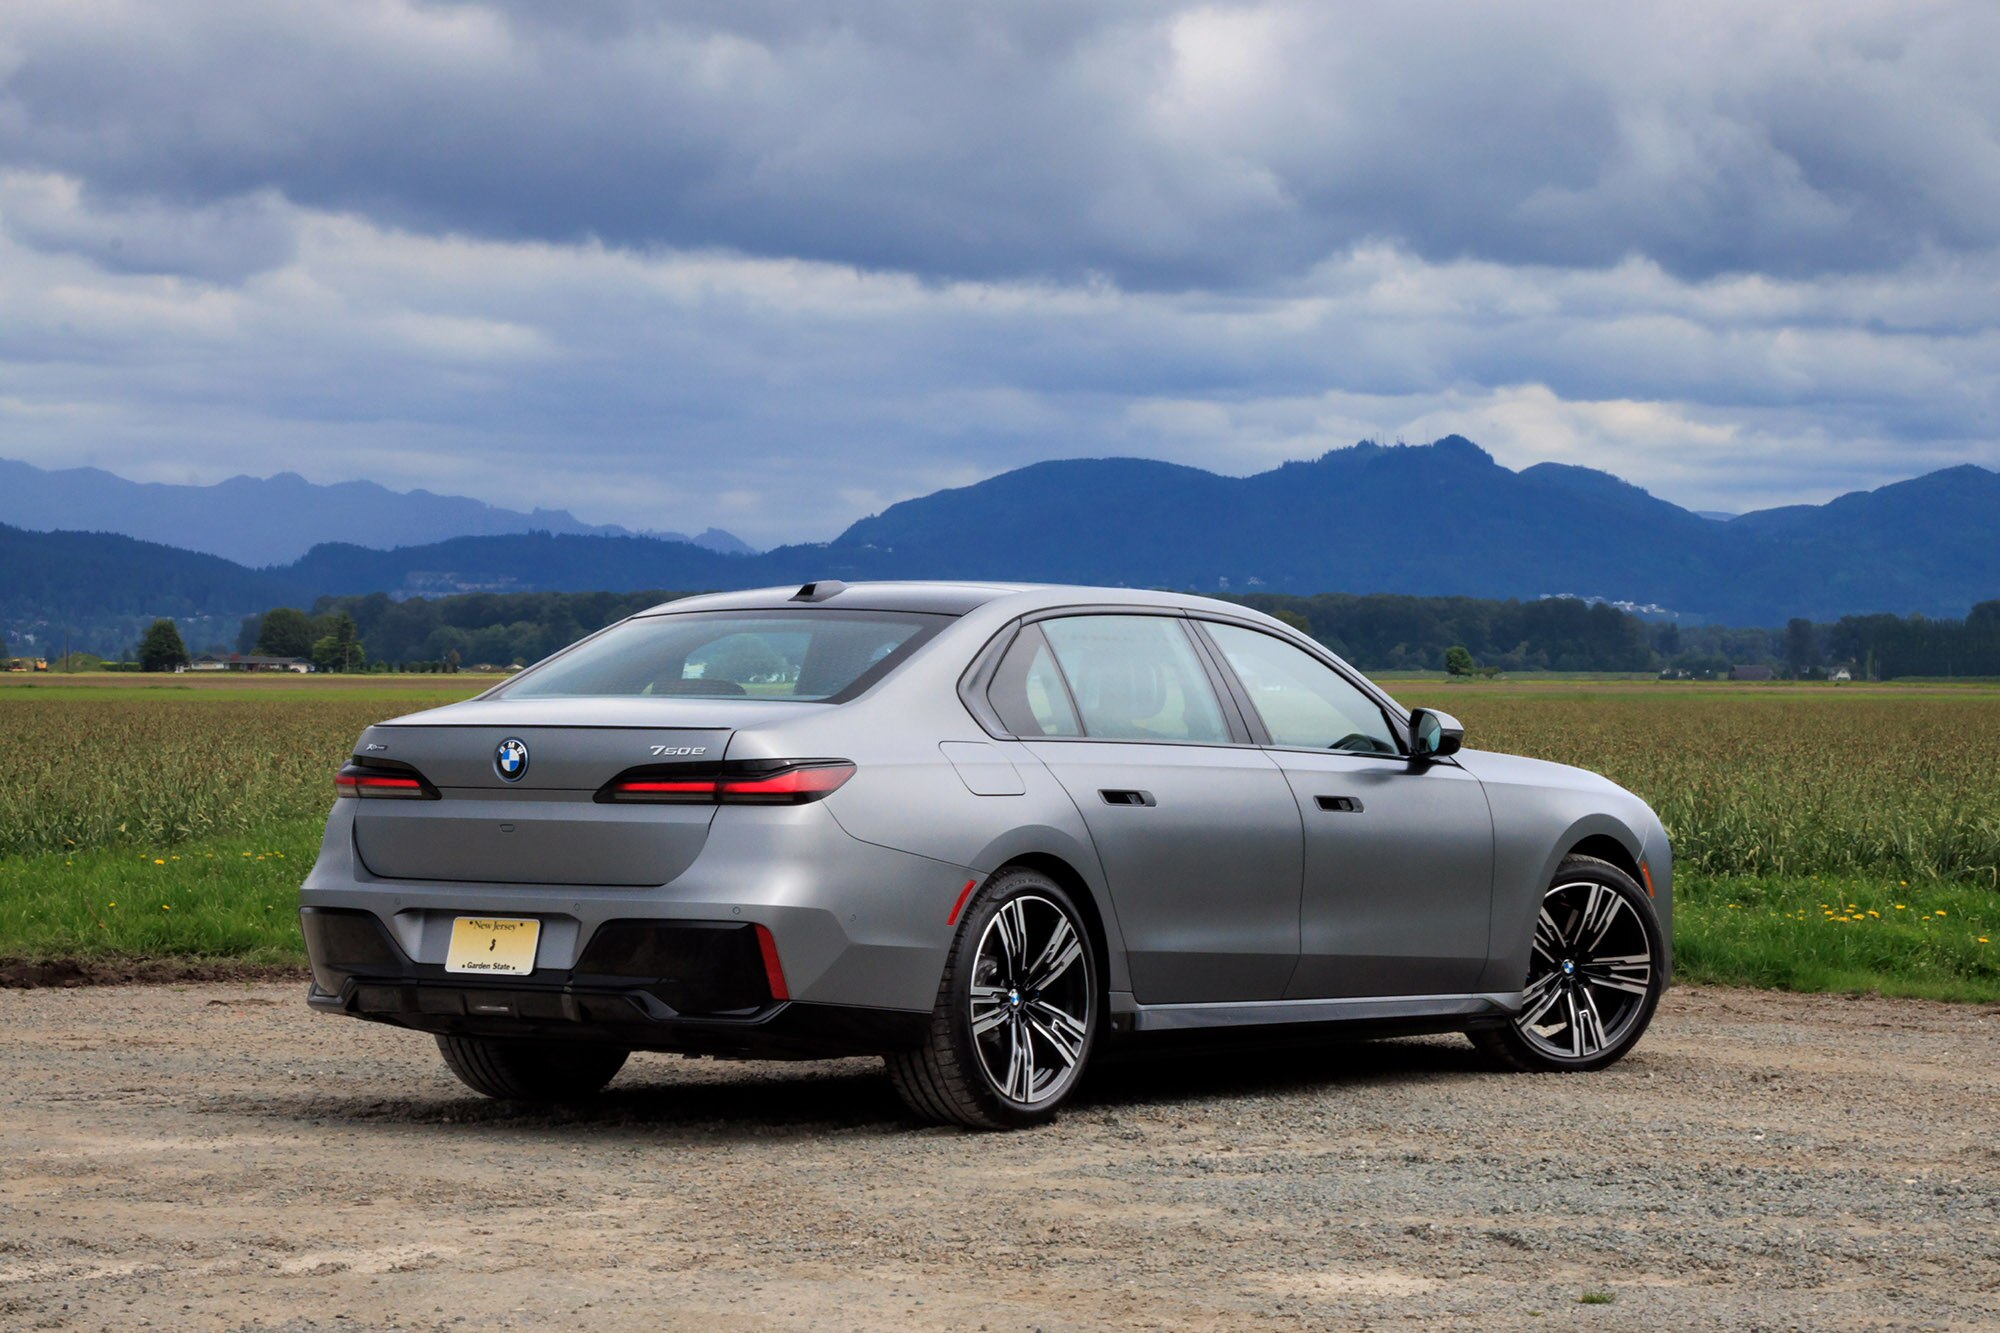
[775, 266]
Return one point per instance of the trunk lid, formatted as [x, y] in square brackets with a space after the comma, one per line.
[544, 825]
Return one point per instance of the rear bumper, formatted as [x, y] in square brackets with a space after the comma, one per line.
[696, 987]
[856, 925]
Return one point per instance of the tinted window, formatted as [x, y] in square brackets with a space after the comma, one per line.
[1300, 699]
[804, 655]
[1028, 692]
[1136, 678]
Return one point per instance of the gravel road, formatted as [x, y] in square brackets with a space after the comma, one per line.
[214, 1156]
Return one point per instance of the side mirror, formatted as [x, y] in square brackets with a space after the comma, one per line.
[1433, 735]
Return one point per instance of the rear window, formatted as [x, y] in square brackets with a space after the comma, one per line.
[810, 656]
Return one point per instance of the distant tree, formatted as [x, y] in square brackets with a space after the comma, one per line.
[161, 649]
[1458, 660]
[1294, 619]
[285, 632]
[1801, 646]
[339, 649]
[445, 641]
[3, 647]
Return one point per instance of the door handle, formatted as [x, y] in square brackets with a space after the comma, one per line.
[1117, 796]
[1343, 805]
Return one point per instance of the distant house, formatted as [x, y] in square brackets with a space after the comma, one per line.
[248, 662]
[1841, 673]
[1752, 673]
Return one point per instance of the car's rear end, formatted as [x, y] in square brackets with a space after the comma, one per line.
[632, 844]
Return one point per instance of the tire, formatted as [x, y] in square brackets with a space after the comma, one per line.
[531, 1071]
[1015, 1023]
[1594, 975]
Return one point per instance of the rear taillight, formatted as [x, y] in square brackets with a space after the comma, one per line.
[378, 780]
[740, 782]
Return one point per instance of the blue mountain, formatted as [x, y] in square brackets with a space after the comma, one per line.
[1435, 519]
[273, 520]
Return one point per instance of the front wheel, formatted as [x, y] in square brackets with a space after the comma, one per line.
[1594, 974]
[1016, 1015]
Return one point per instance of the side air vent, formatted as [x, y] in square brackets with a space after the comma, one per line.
[819, 590]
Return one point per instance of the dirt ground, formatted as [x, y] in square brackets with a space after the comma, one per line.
[214, 1156]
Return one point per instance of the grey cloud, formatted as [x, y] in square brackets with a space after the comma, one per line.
[755, 265]
[1167, 147]
[785, 398]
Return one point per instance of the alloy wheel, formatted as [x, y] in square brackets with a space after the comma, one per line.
[1030, 999]
[1589, 975]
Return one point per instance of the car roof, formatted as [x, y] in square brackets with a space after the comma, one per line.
[937, 597]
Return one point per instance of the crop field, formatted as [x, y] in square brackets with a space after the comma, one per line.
[1826, 838]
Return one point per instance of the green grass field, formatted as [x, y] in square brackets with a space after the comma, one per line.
[1826, 838]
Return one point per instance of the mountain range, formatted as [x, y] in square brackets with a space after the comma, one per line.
[273, 520]
[1442, 518]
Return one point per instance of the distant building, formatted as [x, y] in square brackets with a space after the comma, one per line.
[25, 663]
[248, 662]
[1752, 673]
[1841, 673]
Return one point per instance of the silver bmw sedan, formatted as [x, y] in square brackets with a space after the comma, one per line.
[980, 830]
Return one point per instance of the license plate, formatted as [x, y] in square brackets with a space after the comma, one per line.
[493, 945]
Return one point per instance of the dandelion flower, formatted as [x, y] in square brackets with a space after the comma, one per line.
[1872, 912]
[1902, 907]
[1984, 940]
[166, 907]
[1940, 911]
[158, 862]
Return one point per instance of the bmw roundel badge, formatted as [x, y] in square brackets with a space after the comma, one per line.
[510, 761]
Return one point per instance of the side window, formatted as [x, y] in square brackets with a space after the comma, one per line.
[1028, 692]
[1136, 678]
[1302, 701]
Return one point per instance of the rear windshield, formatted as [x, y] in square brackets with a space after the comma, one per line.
[809, 656]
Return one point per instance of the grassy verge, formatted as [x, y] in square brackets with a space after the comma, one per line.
[235, 898]
[1934, 940]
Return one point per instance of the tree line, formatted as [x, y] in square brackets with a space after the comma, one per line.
[1376, 632]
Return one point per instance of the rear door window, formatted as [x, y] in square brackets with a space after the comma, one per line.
[1136, 678]
[1028, 691]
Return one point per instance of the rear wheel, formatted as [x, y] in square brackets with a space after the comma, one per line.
[1016, 1015]
[531, 1071]
[1594, 974]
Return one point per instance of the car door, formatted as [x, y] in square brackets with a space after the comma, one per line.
[1195, 827]
[1398, 874]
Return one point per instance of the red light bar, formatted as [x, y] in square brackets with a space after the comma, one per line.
[650, 788]
[790, 784]
[756, 782]
[354, 780]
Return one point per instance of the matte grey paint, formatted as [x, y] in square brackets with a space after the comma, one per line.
[1398, 897]
[1232, 890]
[1206, 879]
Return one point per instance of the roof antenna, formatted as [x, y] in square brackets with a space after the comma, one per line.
[819, 590]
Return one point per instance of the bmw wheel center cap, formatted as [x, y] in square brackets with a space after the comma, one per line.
[510, 760]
